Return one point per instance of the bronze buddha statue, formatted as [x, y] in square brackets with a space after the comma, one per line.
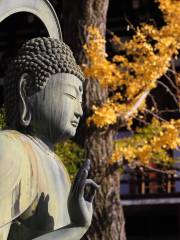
[43, 96]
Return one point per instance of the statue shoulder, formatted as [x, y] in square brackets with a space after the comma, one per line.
[9, 140]
[18, 185]
[9, 160]
[13, 145]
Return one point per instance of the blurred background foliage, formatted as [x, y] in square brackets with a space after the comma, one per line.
[71, 154]
[2, 118]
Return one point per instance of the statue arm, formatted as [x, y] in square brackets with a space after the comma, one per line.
[69, 232]
[15, 172]
[79, 207]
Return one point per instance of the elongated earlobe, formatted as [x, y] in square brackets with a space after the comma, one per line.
[25, 114]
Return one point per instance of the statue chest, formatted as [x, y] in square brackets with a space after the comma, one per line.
[53, 190]
[35, 187]
[49, 210]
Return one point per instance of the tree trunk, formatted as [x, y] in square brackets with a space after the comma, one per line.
[108, 220]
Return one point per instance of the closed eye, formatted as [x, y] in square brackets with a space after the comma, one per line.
[70, 95]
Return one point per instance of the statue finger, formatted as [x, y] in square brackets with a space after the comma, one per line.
[92, 191]
[82, 184]
[80, 175]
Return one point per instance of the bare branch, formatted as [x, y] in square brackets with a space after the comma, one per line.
[155, 115]
[169, 111]
[154, 102]
[171, 82]
[141, 120]
[169, 91]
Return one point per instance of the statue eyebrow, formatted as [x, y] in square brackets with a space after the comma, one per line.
[73, 86]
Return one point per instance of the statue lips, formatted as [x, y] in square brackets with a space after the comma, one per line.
[74, 123]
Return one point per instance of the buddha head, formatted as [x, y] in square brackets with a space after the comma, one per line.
[43, 90]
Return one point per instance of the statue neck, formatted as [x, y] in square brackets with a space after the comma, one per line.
[43, 142]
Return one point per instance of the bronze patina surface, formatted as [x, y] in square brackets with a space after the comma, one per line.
[43, 91]
[40, 8]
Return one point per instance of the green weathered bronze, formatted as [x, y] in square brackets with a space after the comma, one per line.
[43, 95]
[40, 8]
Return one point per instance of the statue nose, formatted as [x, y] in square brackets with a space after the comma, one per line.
[79, 111]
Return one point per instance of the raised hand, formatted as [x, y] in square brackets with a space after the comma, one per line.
[80, 206]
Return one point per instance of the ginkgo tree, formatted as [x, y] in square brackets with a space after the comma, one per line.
[115, 94]
[130, 77]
